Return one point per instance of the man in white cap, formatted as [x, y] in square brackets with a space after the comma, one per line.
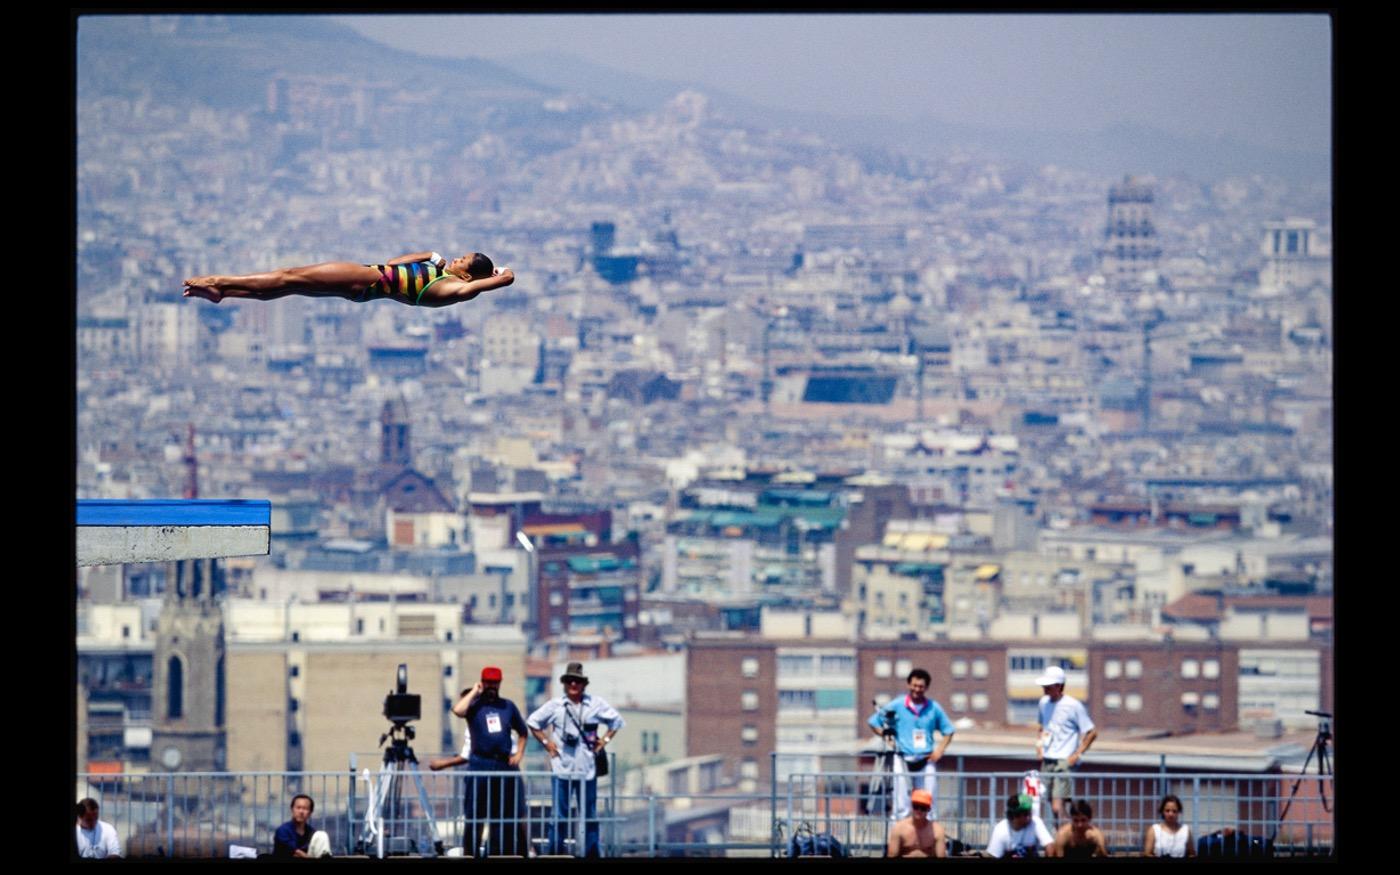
[1066, 731]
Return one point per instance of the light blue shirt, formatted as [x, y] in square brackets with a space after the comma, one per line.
[913, 729]
[574, 761]
[1063, 723]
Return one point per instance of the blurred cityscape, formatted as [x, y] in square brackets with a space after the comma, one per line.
[761, 424]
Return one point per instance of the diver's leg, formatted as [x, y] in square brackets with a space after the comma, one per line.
[341, 279]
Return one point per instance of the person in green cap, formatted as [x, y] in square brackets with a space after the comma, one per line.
[1021, 834]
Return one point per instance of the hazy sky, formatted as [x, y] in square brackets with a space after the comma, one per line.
[1264, 79]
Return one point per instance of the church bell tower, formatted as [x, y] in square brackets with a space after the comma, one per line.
[188, 705]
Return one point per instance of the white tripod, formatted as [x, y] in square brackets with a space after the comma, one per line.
[385, 793]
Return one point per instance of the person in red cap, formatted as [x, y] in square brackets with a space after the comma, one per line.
[917, 835]
[492, 802]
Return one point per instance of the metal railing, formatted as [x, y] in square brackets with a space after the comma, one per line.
[204, 814]
[856, 807]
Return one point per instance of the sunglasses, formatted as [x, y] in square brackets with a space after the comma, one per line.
[921, 808]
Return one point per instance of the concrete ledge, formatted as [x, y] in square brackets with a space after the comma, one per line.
[115, 545]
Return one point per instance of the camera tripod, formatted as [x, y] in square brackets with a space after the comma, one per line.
[1324, 767]
[386, 793]
[889, 766]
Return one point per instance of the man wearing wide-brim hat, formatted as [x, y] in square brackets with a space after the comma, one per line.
[574, 727]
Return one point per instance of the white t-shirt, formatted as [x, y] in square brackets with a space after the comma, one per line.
[1168, 844]
[99, 842]
[1065, 722]
[1032, 835]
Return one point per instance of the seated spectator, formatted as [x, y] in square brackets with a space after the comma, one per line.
[296, 837]
[1171, 837]
[917, 835]
[97, 839]
[1021, 834]
[1079, 837]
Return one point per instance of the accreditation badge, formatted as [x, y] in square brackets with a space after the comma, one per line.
[920, 739]
[493, 723]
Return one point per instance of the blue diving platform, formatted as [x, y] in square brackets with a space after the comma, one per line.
[112, 532]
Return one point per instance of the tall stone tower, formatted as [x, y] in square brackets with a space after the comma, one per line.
[1130, 238]
[188, 695]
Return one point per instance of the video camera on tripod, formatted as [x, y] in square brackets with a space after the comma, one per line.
[401, 706]
[386, 803]
[887, 722]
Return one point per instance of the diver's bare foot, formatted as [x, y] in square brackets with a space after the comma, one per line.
[201, 287]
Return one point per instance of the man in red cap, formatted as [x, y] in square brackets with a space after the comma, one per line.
[493, 802]
[917, 835]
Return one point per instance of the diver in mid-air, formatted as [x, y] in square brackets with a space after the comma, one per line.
[423, 279]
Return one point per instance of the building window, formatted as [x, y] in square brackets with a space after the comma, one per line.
[749, 700]
[1133, 701]
[796, 665]
[838, 665]
[360, 626]
[749, 734]
[981, 701]
[1190, 669]
[296, 671]
[293, 705]
[1210, 669]
[980, 668]
[883, 668]
[447, 671]
[959, 668]
[748, 768]
[1190, 700]
[1211, 701]
[175, 688]
[959, 701]
[678, 782]
[709, 777]
[902, 667]
[1113, 701]
[1112, 668]
[748, 667]
[797, 699]
[1132, 668]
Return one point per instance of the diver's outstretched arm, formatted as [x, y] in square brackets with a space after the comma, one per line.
[415, 257]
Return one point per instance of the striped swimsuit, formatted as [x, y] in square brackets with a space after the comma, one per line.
[404, 282]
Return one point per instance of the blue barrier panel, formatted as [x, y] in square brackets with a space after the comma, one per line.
[175, 512]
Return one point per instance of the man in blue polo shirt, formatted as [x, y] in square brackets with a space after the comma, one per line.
[493, 802]
[916, 718]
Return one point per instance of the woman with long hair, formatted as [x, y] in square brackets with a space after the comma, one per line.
[1170, 837]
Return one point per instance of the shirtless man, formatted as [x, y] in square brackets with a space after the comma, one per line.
[917, 835]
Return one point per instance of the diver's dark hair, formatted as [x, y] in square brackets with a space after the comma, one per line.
[86, 805]
[919, 673]
[309, 801]
[480, 267]
[1081, 807]
[1171, 797]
